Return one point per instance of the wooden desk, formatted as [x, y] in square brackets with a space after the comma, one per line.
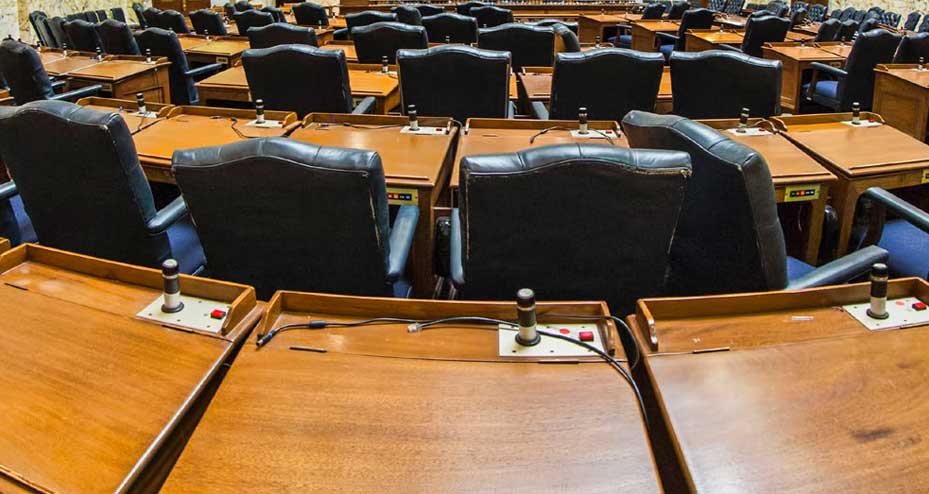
[537, 82]
[839, 48]
[188, 127]
[416, 169]
[708, 39]
[388, 411]
[6, 99]
[784, 392]
[645, 32]
[347, 46]
[798, 179]
[226, 50]
[730, 21]
[93, 399]
[124, 76]
[860, 157]
[4, 245]
[127, 109]
[901, 96]
[591, 26]
[795, 60]
[58, 66]
[364, 79]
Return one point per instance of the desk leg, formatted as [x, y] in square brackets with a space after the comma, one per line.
[844, 199]
[814, 228]
[423, 250]
[790, 86]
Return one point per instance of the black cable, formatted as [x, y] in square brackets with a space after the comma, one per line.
[558, 127]
[239, 132]
[370, 127]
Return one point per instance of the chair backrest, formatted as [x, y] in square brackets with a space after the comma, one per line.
[243, 6]
[734, 7]
[408, 14]
[252, 18]
[490, 16]
[25, 75]
[728, 238]
[529, 46]
[310, 14]
[616, 207]
[924, 25]
[83, 35]
[56, 26]
[275, 12]
[278, 76]
[847, 13]
[716, 5]
[868, 24]
[455, 81]
[912, 48]
[797, 17]
[828, 30]
[677, 10]
[859, 15]
[101, 15]
[693, 19]
[116, 38]
[37, 20]
[912, 20]
[572, 26]
[151, 17]
[718, 84]
[454, 27]
[817, 12]
[383, 39]
[569, 41]
[118, 14]
[761, 30]
[368, 17]
[653, 11]
[90, 16]
[281, 33]
[229, 10]
[427, 9]
[173, 20]
[87, 193]
[870, 48]
[164, 43]
[608, 82]
[847, 30]
[465, 8]
[891, 19]
[140, 14]
[207, 21]
[291, 191]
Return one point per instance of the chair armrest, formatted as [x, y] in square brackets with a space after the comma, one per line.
[167, 216]
[456, 267]
[340, 34]
[910, 213]
[205, 70]
[729, 48]
[510, 109]
[77, 94]
[841, 270]
[833, 71]
[58, 86]
[8, 190]
[365, 106]
[401, 239]
[668, 36]
[539, 112]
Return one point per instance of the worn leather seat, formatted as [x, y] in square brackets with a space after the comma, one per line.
[692, 19]
[718, 84]
[116, 38]
[206, 21]
[828, 30]
[172, 20]
[452, 28]
[362, 19]
[251, 18]
[310, 14]
[281, 33]
[83, 36]
[490, 16]
[529, 46]
[408, 14]
[382, 39]
[913, 47]
[761, 30]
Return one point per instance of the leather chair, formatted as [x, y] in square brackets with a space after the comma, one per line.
[37, 20]
[206, 21]
[152, 19]
[716, 5]
[891, 19]
[797, 18]
[229, 10]
[828, 30]
[608, 82]
[490, 16]
[728, 237]
[455, 81]
[779, 9]
[693, 19]
[88, 193]
[116, 38]
[718, 84]
[465, 8]
[290, 192]
[529, 46]
[252, 18]
[912, 20]
[74, 17]
[734, 7]
[912, 48]
[572, 26]
[426, 9]
[924, 25]
[408, 14]
[382, 39]
[243, 6]
[906, 236]
[101, 15]
[455, 28]
[817, 12]
[847, 14]
[173, 20]
[275, 12]
[848, 30]
[140, 15]
[27, 78]
[362, 19]
[606, 236]
[83, 36]
[278, 76]
[868, 24]
[118, 14]
[567, 38]
[310, 14]
[163, 43]
[90, 16]
[677, 10]
[759, 31]
[854, 82]
[56, 26]
[15, 224]
[281, 33]
[624, 38]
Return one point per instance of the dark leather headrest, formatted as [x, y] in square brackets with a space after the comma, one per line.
[299, 152]
[447, 51]
[335, 56]
[389, 26]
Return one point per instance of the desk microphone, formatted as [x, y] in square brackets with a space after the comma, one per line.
[64, 49]
[582, 120]
[140, 101]
[743, 121]
[384, 65]
[411, 112]
[878, 309]
[206, 34]
[448, 40]
[148, 55]
[856, 113]
[259, 111]
[525, 309]
[922, 64]
[99, 53]
[172, 287]
[597, 42]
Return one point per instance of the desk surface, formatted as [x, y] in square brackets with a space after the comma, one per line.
[907, 72]
[62, 65]
[364, 82]
[219, 47]
[349, 49]
[658, 25]
[389, 411]
[86, 387]
[808, 53]
[836, 48]
[116, 70]
[538, 83]
[717, 37]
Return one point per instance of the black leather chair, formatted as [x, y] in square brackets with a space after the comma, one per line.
[906, 236]
[854, 82]
[362, 19]
[310, 14]
[455, 28]
[848, 30]
[623, 38]
[37, 20]
[173, 20]
[275, 12]
[426, 9]
[728, 237]
[278, 76]
[529, 46]
[229, 10]
[465, 8]
[252, 18]
[912, 48]
[718, 84]
[616, 207]
[56, 26]
[734, 7]
[693, 19]
[891, 19]
[912, 20]
[90, 16]
[677, 10]
[140, 15]
[88, 193]
[759, 31]
[569, 41]
[847, 14]
[924, 25]
[408, 14]
[868, 24]
[779, 9]
[828, 30]
[281, 33]
[164, 43]
[490, 16]
[555, 22]
[716, 5]
[455, 81]
[15, 224]
[243, 6]
[152, 18]
[817, 12]
[24, 73]
[118, 14]
[116, 38]
[292, 191]
[83, 35]
[608, 82]
[383, 39]
[797, 18]
[206, 21]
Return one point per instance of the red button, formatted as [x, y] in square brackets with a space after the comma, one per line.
[564, 331]
[586, 335]
[218, 314]
[919, 306]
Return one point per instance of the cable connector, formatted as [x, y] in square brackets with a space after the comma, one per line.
[414, 328]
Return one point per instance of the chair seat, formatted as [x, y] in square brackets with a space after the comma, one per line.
[622, 41]
[908, 247]
[401, 288]
[185, 246]
[826, 93]
[664, 49]
[797, 268]
[25, 224]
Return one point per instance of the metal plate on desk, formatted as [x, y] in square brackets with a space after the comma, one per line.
[194, 316]
[548, 346]
[902, 314]
[801, 193]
